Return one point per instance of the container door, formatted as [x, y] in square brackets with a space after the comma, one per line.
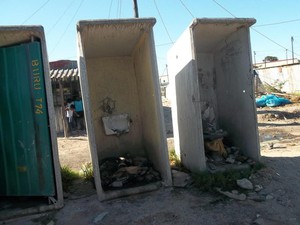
[26, 165]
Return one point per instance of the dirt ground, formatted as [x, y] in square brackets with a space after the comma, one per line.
[279, 129]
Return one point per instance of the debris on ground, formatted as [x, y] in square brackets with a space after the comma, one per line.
[234, 194]
[271, 101]
[245, 184]
[99, 217]
[219, 156]
[180, 179]
[124, 172]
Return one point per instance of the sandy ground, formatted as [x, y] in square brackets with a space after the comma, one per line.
[280, 149]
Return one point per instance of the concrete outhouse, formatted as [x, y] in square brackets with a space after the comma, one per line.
[211, 80]
[120, 90]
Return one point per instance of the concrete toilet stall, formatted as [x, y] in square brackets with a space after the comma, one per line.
[122, 104]
[211, 84]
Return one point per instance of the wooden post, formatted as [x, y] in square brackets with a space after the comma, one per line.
[64, 122]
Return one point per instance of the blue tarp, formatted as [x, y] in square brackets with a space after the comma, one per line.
[271, 100]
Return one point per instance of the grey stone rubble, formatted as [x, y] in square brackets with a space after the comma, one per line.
[245, 184]
[123, 172]
[100, 217]
[234, 194]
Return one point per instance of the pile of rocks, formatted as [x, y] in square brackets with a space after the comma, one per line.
[250, 191]
[121, 172]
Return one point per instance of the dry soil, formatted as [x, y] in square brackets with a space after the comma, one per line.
[279, 130]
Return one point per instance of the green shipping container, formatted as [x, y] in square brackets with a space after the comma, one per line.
[26, 165]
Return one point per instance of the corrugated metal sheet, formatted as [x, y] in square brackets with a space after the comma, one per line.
[64, 69]
[26, 167]
[63, 73]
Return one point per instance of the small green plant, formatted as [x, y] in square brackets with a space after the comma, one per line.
[87, 171]
[68, 176]
[207, 181]
[174, 160]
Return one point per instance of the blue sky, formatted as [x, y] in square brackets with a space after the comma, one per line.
[277, 20]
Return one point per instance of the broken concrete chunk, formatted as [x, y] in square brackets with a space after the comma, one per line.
[240, 197]
[245, 184]
[117, 184]
[230, 159]
[100, 217]
[258, 188]
[256, 197]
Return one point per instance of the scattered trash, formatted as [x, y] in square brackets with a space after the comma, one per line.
[271, 101]
[121, 172]
[245, 184]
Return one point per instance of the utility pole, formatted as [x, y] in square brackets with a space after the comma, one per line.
[135, 8]
[292, 40]
[254, 55]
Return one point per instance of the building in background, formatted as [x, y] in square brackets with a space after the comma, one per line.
[66, 86]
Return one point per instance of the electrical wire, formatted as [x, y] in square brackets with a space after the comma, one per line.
[42, 6]
[164, 44]
[118, 6]
[277, 23]
[120, 9]
[163, 22]
[187, 9]
[63, 34]
[111, 2]
[223, 8]
[265, 36]
[61, 16]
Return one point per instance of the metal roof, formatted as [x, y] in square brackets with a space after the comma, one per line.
[63, 73]
[63, 69]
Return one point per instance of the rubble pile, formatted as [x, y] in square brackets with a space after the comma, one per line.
[218, 154]
[121, 172]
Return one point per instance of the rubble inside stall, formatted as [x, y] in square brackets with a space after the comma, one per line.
[126, 172]
[221, 157]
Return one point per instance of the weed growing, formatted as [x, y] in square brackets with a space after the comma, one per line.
[68, 176]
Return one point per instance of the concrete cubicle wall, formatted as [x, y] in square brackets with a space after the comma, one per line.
[211, 71]
[34, 170]
[118, 70]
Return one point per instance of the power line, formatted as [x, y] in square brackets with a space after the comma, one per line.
[223, 8]
[187, 8]
[61, 16]
[118, 8]
[277, 23]
[42, 6]
[164, 44]
[63, 34]
[163, 22]
[111, 2]
[265, 36]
